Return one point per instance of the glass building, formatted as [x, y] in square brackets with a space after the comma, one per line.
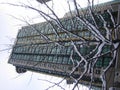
[45, 48]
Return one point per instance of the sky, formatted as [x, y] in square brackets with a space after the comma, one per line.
[9, 26]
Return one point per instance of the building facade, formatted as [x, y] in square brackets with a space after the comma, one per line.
[45, 48]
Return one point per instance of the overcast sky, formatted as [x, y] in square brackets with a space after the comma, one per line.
[9, 79]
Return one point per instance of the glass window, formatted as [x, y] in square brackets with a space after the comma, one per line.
[83, 50]
[37, 50]
[70, 61]
[53, 50]
[39, 58]
[60, 59]
[106, 48]
[13, 56]
[46, 58]
[99, 63]
[40, 50]
[58, 50]
[106, 61]
[45, 50]
[28, 57]
[65, 60]
[34, 57]
[43, 58]
[63, 50]
[50, 58]
[54, 59]
[68, 50]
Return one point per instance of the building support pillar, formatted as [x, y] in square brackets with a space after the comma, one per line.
[116, 81]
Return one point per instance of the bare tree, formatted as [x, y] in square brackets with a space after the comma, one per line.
[92, 35]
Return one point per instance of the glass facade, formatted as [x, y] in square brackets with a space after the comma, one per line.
[37, 42]
[48, 48]
[46, 43]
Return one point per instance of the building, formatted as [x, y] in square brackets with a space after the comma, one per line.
[39, 48]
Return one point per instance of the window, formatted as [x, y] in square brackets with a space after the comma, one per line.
[83, 50]
[56, 50]
[48, 50]
[42, 58]
[37, 50]
[106, 61]
[98, 71]
[70, 61]
[13, 56]
[65, 60]
[55, 59]
[63, 50]
[40, 49]
[53, 50]
[32, 50]
[106, 49]
[46, 58]
[60, 60]
[68, 50]
[39, 58]
[50, 59]
[99, 63]
[25, 57]
[28, 57]
[44, 50]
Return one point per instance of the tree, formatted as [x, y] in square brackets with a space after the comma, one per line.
[99, 44]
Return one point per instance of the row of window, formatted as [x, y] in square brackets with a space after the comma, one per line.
[30, 40]
[52, 49]
[53, 37]
[27, 32]
[42, 64]
[85, 49]
[47, 29]
[42, 58]
[56, 54]
[69, 24]
[73, 24]
[35, 30]
[53, 72]
[52, 66]
[103, 62]
[36, 49]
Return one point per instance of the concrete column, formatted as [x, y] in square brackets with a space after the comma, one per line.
[117, 68]
[113, 74]
[110, 78]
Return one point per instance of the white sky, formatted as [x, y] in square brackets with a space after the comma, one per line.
[9, 79]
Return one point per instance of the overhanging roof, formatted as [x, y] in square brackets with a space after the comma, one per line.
[43, 1]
